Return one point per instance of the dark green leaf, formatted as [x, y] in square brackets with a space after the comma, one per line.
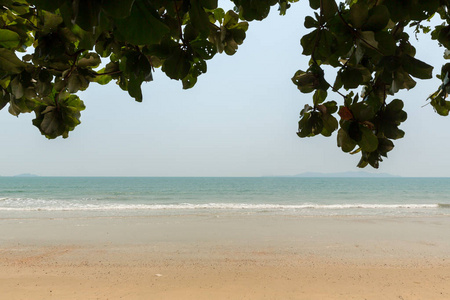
[142, 27]
[118, 9]
[384, 146]
[310, 22]
[177, 65]
[209, 4]
[305, 82]
[319, 96]
[330, 124]
[57, 120]
[4, 99]
[362, 111]
[369, 141]
[358, 14]
[314, 4]
[329, 8]
[308, 41]
[378, 18]
[77, 82]
[199, 17]
[86, 13]
[351, 78]
[344, 141]
[203, 48]
[9, 62]
[417, 68]
[134, 89]
[48, 5]
[189, 81]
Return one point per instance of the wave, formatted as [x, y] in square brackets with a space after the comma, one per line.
[218, 206]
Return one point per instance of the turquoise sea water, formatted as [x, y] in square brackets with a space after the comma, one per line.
[111, 196]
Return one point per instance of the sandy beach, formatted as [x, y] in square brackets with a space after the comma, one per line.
[225, 257]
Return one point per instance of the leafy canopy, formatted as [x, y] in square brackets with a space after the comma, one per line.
[77, 42]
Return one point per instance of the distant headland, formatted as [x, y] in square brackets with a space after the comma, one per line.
[351, 174]
[26, 175]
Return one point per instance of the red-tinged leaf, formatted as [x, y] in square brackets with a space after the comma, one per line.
[345, 113]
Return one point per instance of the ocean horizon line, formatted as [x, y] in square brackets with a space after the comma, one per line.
[264, 176]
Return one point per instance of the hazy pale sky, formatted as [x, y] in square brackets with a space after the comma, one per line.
[239, 120]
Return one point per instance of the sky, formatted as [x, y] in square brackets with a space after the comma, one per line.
[240, 119]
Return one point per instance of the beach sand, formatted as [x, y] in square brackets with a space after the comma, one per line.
[225, 257]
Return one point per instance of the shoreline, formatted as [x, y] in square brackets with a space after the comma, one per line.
[225, 257]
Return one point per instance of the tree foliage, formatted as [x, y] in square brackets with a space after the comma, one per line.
[367, 43]
[51, 49]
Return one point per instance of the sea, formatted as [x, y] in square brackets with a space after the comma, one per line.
[66, 197]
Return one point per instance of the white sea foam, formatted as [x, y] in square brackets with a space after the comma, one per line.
[64, 206]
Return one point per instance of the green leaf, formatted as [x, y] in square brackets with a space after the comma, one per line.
[48, 5]
[394, 111]
[21, 105]
[102, 79]
[17, 88]
[189, 81]
[329, 8]
[5, 81]
[117, 9]
[308, 41]
[4, 99]
[209, 4]
[304, 126]
[417, 68]
[390, 118]
[43, 88]
[306, 82]
[204, 48]
[330, 124]
[378, 18]
[199, 17]
[344, 141]
[362, 111]
[310, 22]
[316, 123]
[401, 80]
[384, 146]
[314, 4]
[177, 65]
[141, 27]
[386, 43]
[9, 39]
[254, 10]
[319, 96]
[369, 141]
[77, 82]
[369, 39]
[398, 9]
[219, 14]
[9, 62]
[51, 22]
[89, 60]
[351, 78]
[134, 89]
[86, 13]
[392, 131]
[331, 107]
[358, 14]
[57, 120]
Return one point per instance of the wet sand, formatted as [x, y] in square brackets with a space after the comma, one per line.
[225, 257]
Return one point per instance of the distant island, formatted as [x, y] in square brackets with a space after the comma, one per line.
[352, 174]
[26, 175]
